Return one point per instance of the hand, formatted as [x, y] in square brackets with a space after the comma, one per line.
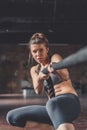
[50, 68]
[43, 76]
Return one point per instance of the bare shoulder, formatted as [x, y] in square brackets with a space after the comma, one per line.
[56, 58]
[33, 69]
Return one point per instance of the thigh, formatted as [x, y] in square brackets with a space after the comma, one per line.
[63, 109]
[21, 115]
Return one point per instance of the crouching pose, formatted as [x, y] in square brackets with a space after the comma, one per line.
[63, 105]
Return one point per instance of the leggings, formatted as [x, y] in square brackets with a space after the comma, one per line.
[64, 108]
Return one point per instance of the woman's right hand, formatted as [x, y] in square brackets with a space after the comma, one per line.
[43, 76]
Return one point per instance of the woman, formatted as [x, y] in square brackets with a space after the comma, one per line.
[63, 105]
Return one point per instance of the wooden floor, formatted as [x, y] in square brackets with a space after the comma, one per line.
[10, 101]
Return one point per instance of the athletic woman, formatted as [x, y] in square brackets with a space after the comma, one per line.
[63, 105]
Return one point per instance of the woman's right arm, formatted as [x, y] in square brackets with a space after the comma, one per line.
[37, 80]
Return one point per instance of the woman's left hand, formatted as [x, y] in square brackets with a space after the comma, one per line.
[50, 68]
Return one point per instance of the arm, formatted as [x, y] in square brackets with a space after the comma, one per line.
[63, 73]
[38, 80]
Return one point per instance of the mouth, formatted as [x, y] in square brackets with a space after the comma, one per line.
[39, 58]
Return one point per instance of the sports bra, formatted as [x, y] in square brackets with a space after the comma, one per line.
[50, 82]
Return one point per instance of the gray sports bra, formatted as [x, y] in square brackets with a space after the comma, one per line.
[50, 82]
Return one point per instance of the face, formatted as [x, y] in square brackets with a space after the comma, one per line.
[39, 52]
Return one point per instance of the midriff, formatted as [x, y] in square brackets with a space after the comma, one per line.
[64, 87]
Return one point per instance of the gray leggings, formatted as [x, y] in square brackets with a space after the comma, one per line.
[61, 109]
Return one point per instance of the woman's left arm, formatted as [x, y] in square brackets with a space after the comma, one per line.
[63, 73]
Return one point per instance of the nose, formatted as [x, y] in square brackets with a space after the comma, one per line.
[38, 53]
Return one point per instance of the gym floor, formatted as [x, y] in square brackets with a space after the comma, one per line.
[10, 101]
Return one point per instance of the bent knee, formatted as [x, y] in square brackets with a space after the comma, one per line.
[12, 119]
[9, 118]
[67, 126]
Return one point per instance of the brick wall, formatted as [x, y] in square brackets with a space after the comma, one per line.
[13, 61]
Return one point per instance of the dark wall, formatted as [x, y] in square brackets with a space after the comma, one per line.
[61, 20]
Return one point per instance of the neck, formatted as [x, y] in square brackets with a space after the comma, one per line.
[45, 63]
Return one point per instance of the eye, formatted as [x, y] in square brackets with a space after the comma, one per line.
[41, 50]
[34, 51]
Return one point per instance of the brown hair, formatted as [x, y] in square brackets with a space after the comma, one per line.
[38, 38]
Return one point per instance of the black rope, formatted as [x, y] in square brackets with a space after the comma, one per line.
[50, 87]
